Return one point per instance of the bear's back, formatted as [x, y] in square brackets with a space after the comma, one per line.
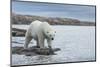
[37, 22]
[34, 27]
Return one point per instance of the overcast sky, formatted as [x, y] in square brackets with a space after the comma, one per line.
[85, 13]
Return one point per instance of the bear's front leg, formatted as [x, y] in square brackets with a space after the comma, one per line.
[37, 41]
[49, 43]
[41, 41]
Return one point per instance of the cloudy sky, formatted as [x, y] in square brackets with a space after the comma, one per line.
[85, 13]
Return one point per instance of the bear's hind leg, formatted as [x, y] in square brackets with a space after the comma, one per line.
[27, 41]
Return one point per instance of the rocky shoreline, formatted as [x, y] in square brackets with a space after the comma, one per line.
[27, 19]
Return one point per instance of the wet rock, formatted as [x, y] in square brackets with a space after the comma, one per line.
[34, 51]
[18, 32]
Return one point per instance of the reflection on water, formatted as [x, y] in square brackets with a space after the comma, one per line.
[77, 43]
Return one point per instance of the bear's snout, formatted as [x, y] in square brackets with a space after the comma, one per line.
[52, 38]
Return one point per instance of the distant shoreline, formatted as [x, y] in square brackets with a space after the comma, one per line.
[27, 19]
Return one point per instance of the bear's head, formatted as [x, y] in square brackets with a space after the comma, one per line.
[50, 34]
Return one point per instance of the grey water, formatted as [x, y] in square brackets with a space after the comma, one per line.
[77, 43]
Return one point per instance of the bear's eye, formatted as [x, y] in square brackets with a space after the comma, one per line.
[47, 32]
[55, 31]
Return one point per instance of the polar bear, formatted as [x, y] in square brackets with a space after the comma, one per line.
[39, 31]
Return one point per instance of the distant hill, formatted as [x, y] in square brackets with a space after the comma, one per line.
[27, 19]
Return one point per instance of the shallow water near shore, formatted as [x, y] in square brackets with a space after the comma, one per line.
[77, 43]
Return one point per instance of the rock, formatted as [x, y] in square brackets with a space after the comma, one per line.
[34, 51]
[18, 32]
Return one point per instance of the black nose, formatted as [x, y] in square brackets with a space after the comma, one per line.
[52, 38]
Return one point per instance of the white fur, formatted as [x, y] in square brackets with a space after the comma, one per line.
[39, 31]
